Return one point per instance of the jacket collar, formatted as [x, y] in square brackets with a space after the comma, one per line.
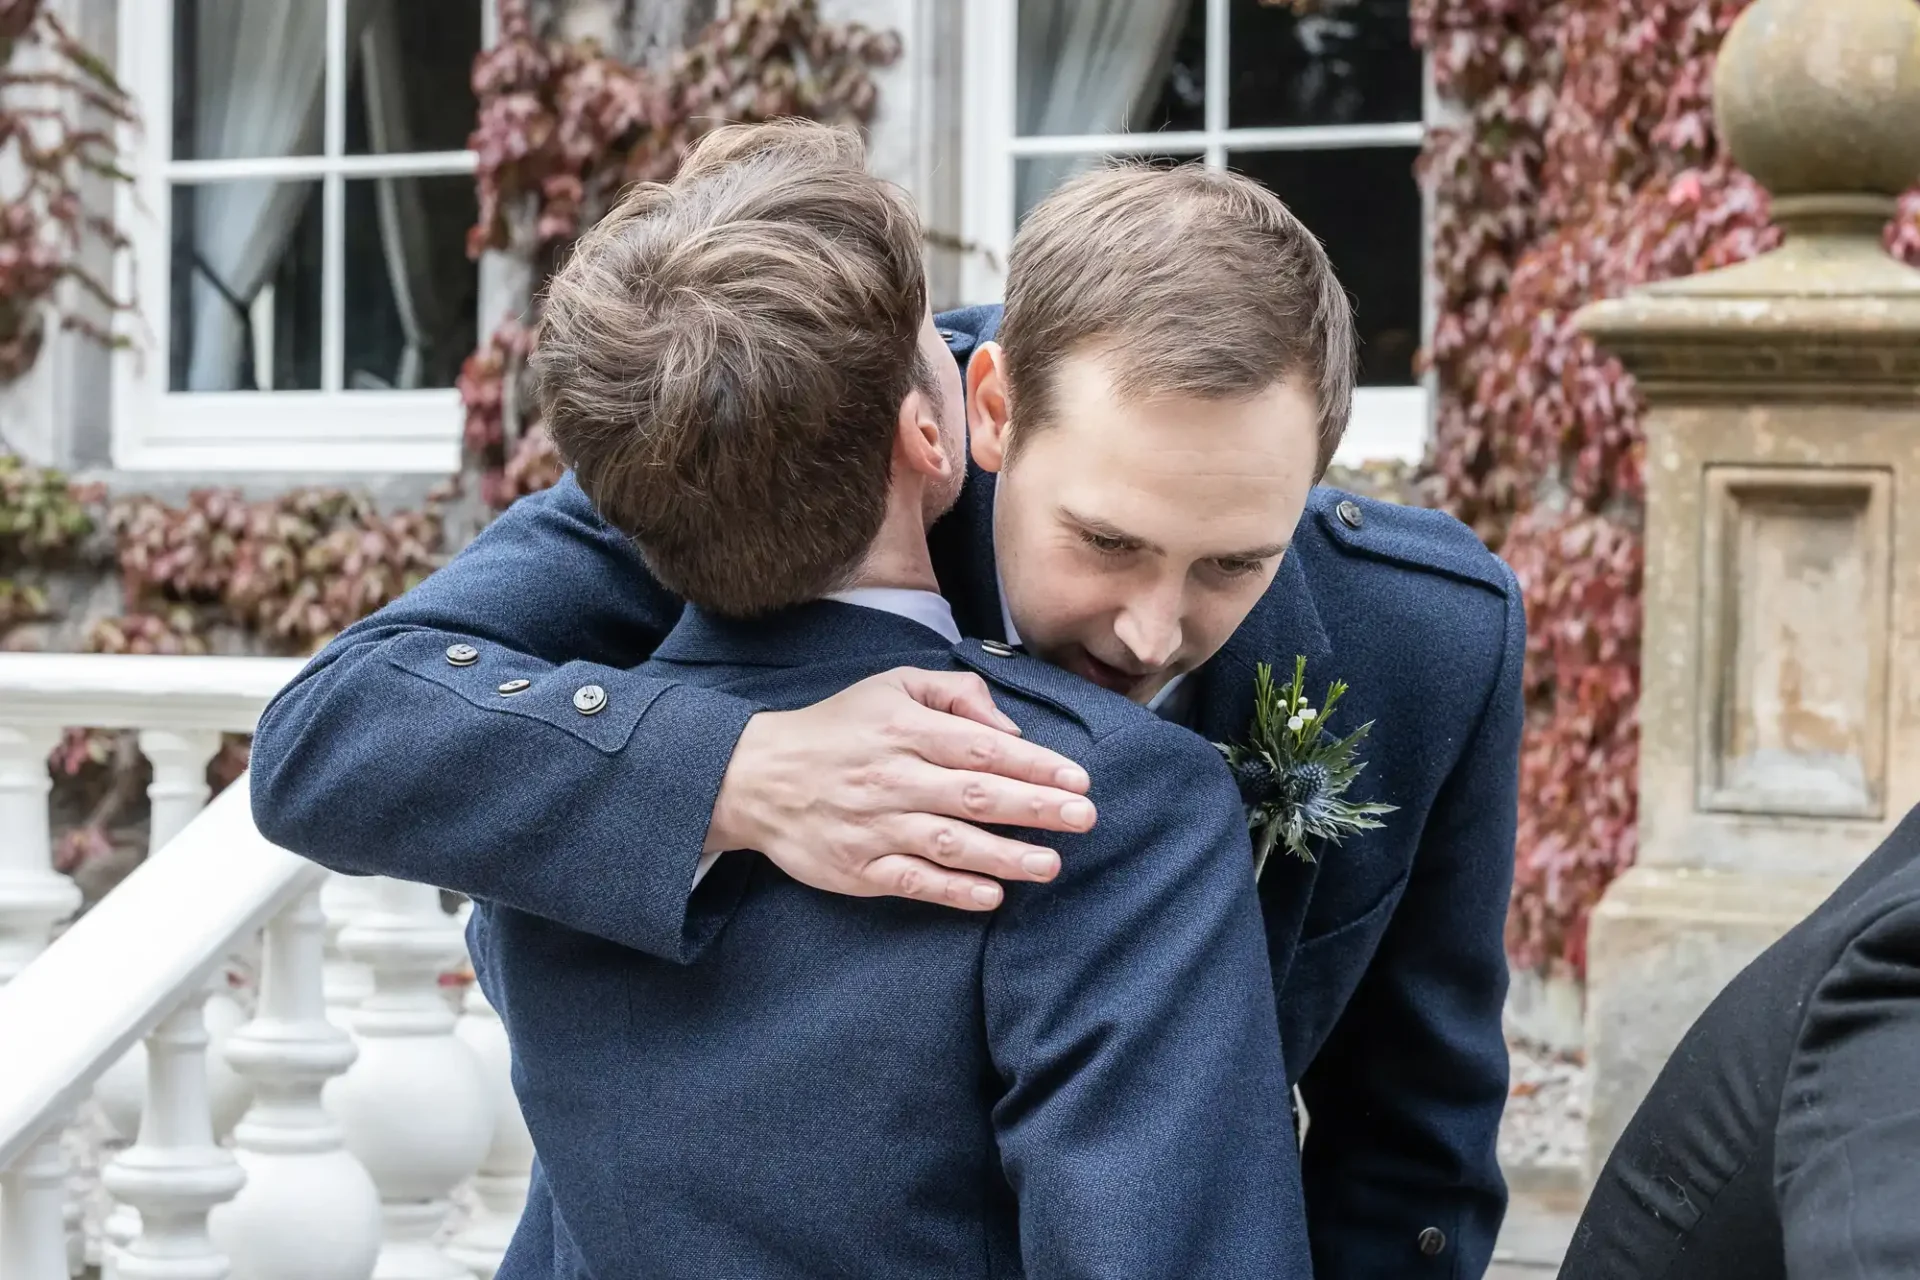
[820, 631]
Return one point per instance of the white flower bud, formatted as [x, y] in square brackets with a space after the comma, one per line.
[1307, 714]
[1296, 724]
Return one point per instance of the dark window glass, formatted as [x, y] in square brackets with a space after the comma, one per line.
[410, 290]
[1365, 206]
[244, 310]
[1089, 68]
[1341, 62]
[248, 78]
[410, 86]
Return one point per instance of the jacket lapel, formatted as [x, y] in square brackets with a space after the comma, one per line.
[1285, 624]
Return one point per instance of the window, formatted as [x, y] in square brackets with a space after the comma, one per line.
[1323, 101]
[298, 226]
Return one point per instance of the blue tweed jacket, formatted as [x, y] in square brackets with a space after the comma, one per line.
[1387, 951]
[1086, 1082]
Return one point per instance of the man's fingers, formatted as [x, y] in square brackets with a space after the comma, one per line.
[899, 875]
[960, 846]
[953, 743]
[959, 693]
[987, 799]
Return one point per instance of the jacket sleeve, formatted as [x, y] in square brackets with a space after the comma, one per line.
[1845, 1173]
[398, 753]
[1129, 1008]
[1404, 1100]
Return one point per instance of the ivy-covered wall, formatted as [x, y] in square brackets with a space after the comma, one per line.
[1587, 165]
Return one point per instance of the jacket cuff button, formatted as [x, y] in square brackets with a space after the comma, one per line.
[1351, 516]
[462, 655]
[589, 699]
[1433, 1242]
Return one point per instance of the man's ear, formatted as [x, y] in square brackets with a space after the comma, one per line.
[987, 408]
[916, 439]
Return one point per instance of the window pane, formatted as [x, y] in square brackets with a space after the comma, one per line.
[411, 292]
[247, 78]
[1035, 176]
[1343, 62]
[1133, 67]
[411, 82]
[244, 310]
[1365, 206]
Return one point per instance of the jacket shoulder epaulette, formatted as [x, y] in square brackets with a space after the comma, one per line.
[1413, 537]
[1095, 710]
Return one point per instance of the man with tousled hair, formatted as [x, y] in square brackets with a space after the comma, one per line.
[1084, 1083]
[1176, 372]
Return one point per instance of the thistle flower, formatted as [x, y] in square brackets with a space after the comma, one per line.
[1293, 774]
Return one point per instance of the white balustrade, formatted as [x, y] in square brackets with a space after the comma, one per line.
[33, 1228]
[357, 1186]
[175, 1173]
[415, 1107]
[33, 896]
[309, 1209]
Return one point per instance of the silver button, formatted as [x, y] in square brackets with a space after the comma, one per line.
[1349, 513]
[996, 648]
[462, 655]
[589, 699]
[946, 335]
[1433, 1242]
[511, 687]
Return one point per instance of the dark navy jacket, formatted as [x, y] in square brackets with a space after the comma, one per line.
[1086, 1082]
[1388, 950]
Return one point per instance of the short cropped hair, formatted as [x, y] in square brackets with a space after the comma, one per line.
[723, 358]
[1193, 281]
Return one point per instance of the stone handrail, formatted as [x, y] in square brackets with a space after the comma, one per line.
[137, 691]
[110, 979]
[236, 1166]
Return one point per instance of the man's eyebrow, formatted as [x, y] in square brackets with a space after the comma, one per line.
[1266, 552]
[1105, 529]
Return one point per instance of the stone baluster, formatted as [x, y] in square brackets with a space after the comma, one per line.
[33, 1228]
[179, 791]
[501, 1184]
[346, 981]
[33, 896]
[309, 1209]
[175, 1173]
[414, 1106]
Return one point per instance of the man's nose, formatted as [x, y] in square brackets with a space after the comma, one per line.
[1149, 630]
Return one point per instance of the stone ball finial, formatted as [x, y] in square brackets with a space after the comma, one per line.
[1822, 97]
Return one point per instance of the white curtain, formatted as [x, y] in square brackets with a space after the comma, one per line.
[1089, 66]
[258, 70]
[403, 221]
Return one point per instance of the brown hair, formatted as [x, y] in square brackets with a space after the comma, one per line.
[1200, 281]
[723, 358]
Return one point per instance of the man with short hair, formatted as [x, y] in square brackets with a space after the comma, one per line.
[1084, 1083]
[1117, 524]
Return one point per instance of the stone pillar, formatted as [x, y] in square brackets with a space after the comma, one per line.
[1780, 699]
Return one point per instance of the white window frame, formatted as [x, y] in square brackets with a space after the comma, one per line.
[1388, 423]
[329, 430]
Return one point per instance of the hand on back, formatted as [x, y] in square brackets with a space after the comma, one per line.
[884, 788]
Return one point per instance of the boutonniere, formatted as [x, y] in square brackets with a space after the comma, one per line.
[1294, 773]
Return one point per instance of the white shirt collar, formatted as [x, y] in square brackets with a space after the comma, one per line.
[928, 608]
